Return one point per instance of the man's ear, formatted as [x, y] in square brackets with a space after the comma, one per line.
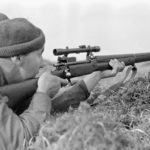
[17, 60]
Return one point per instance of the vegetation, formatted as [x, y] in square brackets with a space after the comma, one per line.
[118, 121]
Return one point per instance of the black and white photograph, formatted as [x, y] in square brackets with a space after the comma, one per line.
[75, 75]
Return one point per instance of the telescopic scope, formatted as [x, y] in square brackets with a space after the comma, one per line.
[81, 49]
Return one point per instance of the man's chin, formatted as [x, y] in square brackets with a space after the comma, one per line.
[27, 76]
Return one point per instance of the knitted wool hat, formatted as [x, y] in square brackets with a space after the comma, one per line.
[18, 37]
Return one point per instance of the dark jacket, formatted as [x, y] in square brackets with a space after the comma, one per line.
[70, 96]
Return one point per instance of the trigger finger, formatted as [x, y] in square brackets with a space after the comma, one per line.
[63, 82]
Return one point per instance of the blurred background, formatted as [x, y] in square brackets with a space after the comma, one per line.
[117, 26]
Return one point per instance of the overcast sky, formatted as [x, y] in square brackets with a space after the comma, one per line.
[116, 26]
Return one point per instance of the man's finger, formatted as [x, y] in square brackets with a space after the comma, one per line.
[63, 82]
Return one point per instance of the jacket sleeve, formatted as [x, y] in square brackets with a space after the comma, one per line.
[36, 114]
[71, 96]
[14, 129]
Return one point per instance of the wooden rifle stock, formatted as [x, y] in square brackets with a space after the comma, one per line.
[19, 91]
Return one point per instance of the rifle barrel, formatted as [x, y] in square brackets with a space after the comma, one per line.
[139, 57]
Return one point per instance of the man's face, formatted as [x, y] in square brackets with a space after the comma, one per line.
[22, 68]
[30, 64]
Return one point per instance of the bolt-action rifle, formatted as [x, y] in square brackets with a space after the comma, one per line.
[68, 67]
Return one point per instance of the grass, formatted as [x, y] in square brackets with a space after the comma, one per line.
[118, 121]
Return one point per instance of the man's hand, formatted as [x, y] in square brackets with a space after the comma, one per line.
[116, 65]
[50, 84]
